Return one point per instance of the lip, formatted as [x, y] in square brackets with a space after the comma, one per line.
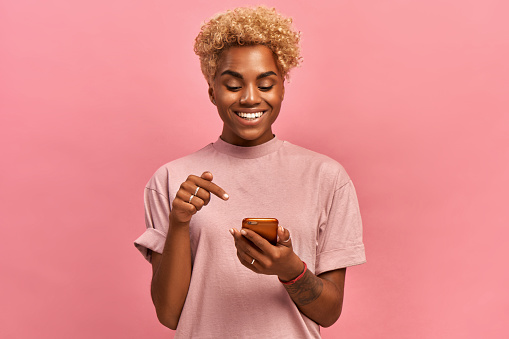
[251, 122]
[246, 110]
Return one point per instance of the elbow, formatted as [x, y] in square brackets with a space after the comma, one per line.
[167, 319]
[334, 306]
[332, 318]
[329, 322]
[165, 314]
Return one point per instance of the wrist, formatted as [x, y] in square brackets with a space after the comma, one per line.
[297, 278]
[294, 270]
[178, 224]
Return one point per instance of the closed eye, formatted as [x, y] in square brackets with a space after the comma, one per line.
[263, 88]
[233, 88]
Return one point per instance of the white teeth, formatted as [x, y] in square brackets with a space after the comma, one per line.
[249, 115]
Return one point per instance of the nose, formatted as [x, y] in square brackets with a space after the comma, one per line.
[250, 96]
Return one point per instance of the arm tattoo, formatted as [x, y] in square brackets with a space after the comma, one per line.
[306, 290]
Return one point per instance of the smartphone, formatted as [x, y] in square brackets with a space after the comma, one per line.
[266, 227]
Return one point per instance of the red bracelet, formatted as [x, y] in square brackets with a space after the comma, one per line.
[293, 281]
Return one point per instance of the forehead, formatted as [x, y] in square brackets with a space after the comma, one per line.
[248, 59]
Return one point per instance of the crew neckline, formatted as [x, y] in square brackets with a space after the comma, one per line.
[248, 152]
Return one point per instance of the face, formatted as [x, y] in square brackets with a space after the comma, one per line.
[248, 90]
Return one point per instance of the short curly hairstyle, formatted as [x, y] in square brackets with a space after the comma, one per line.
[246, 26]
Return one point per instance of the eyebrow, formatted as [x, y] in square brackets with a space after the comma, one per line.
[238, 75]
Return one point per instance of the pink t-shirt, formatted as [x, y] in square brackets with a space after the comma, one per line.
[310, 194]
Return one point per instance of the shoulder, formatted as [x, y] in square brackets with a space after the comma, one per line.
[328, 169]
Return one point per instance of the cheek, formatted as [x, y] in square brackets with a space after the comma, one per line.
[275, 99]
[226, 98]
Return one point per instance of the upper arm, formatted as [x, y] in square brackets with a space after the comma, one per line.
[337, 278]
[155, 260]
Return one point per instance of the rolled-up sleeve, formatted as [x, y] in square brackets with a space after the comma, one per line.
[340, 237]
[157, 211]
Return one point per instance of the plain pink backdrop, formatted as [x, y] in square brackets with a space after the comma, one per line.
[410, 96]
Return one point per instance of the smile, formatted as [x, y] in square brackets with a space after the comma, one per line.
[249, 116]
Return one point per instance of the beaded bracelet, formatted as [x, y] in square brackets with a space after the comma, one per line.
[293, 281]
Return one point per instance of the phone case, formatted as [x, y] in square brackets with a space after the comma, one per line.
[266, 227]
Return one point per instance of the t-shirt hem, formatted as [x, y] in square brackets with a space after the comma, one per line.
[152, 239]
[341, 258]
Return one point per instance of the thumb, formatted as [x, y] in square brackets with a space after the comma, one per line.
[283, 237]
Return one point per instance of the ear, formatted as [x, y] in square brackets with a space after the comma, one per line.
[283, 92]
[212, 96]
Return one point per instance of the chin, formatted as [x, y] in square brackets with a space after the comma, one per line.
[250, 136]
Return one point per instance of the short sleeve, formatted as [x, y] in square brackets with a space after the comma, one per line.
[340, 236]
[157, 211]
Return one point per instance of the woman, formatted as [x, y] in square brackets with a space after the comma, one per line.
[205, 285]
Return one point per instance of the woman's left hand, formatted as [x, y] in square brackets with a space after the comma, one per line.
[277, 260]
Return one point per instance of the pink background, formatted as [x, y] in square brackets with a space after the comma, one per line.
[410, 96]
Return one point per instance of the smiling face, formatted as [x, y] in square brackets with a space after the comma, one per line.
[248, 90]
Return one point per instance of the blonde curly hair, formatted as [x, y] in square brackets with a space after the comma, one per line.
[245, 26]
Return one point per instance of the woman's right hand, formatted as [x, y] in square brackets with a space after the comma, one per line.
[193, 194]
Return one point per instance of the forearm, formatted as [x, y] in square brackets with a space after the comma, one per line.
[171, 278]
[317, 298]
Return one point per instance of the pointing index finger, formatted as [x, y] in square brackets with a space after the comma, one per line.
[211, 187]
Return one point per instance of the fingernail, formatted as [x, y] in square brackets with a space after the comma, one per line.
[243, 232]
[282, 228]
[231, 231]
[225, 196]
